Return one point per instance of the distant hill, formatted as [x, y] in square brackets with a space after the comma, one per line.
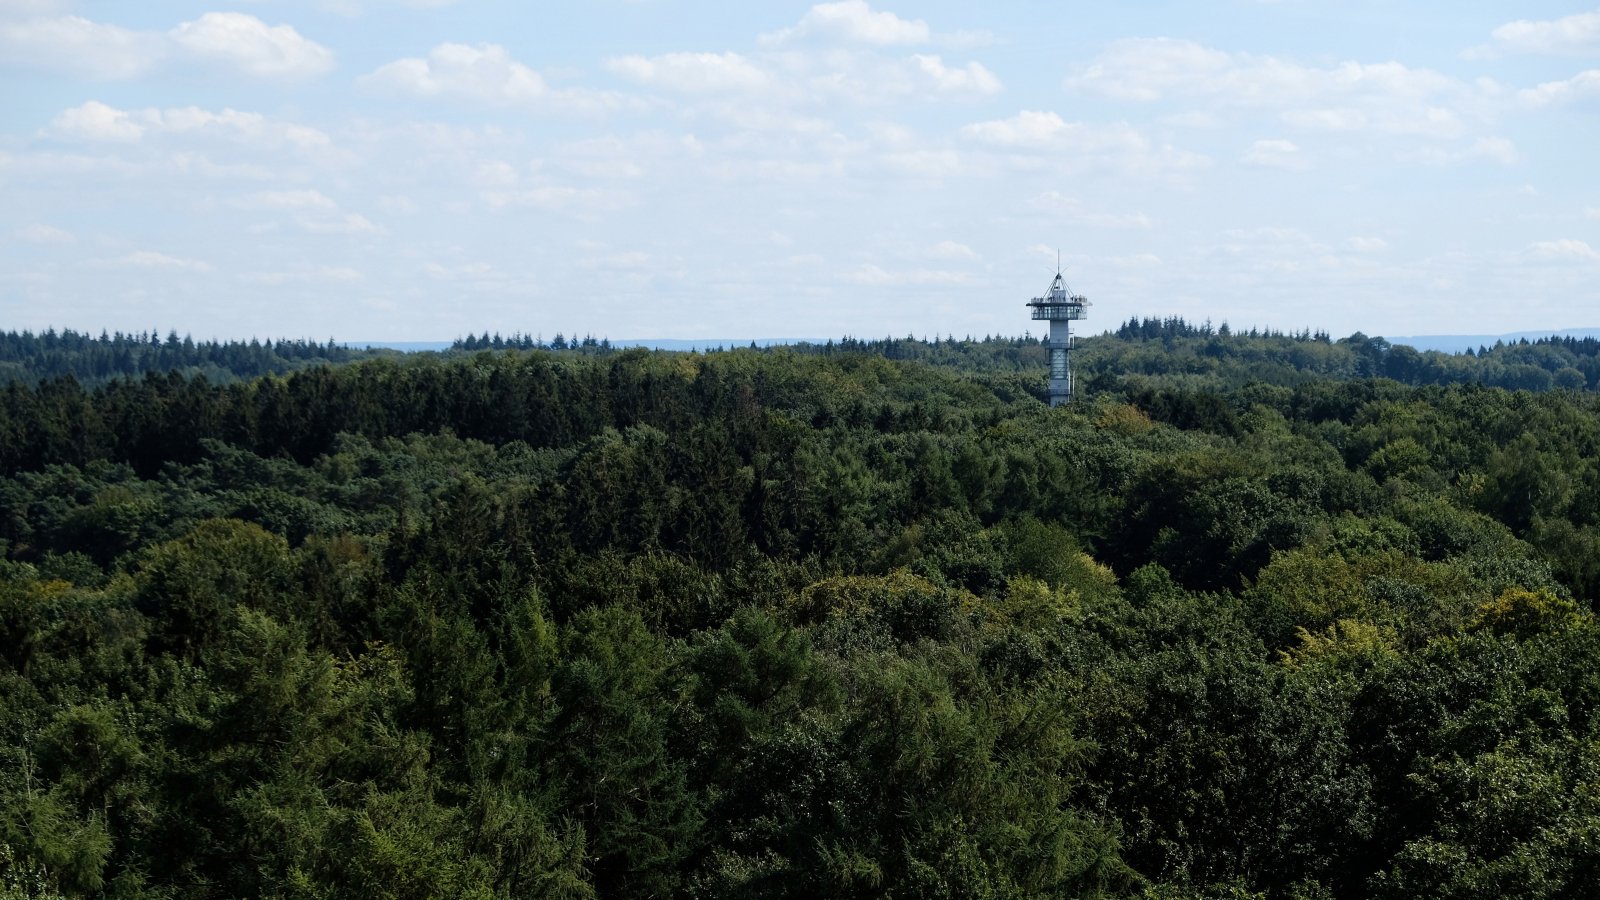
[1456, 343]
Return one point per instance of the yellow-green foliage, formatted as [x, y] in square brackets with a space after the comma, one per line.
[1526, 613]
[1314, 588]
[1031, 603]
[1344, 640]
[1124, 419]
[861, 596]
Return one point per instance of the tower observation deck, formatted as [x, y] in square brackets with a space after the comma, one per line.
[1060, 307]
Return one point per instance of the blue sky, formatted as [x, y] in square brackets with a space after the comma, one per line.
[420, 169]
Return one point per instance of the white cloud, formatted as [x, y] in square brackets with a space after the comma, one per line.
[1033, 129]
[1275, 153]
[188, 162]
[252, 46]
[150, 259]
[1388, 97]
[1433, 121]
[76, 46]
[277, 200]
[43, 234]
[1029, 128]
[335, 274]
[465, 270]
[1271, 244]
[971, 78]
[66, 165]
[854, 21]
[862, 78]
[951, 250]
[766, 90]
[692, 72]
[1592, 212]
[1034, 141]
[1574, 35]
[309, 209]
[1564, 250]
[1328, 119]
[1498, 150]
[1073, 208]
[1367, 244]
[613, 158]
[356, 7]
[1148, 69]
[344, 223]
[235, 125]
[763, 117]
[495, 173]
[765, 170]
[484, 73]
[1582, 85]
[584, 202]
[876, 276]
[96, 121]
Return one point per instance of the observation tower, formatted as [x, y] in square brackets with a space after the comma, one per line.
[1060, 307]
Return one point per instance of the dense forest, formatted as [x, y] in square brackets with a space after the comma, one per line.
[94, 360]
[1258, 615]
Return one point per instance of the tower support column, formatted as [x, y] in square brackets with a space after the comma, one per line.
[1060, 347]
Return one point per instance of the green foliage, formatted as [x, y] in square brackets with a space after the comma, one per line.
[1262, 616]
[89, 359]
[24, 881]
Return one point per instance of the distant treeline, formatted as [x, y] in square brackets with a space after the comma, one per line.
[1207, 356]
[1147, 329]
[1221, 358]
[1224, 358]
[519, 341]
[53, 354]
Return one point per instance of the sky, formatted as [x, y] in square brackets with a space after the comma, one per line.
[393, 170]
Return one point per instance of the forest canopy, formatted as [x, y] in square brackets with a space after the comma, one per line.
[1257, 615]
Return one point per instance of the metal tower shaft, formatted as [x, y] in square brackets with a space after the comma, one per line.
[1059, 344]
